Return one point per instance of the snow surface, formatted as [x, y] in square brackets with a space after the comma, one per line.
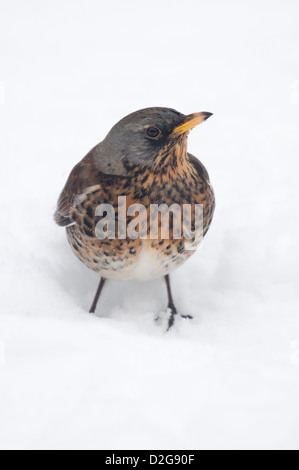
[229, 379]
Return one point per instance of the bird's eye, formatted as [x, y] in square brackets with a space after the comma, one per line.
[153, 132]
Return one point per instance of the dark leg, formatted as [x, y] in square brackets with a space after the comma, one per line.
[173, 310]
[98, 293]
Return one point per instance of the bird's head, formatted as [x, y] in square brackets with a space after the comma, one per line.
[143, 136]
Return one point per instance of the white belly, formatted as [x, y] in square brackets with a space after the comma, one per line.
[150, 264]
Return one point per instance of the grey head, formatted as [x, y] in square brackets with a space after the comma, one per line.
[140, 137]
[137, 138]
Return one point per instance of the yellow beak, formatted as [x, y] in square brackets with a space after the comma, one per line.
[190, 121]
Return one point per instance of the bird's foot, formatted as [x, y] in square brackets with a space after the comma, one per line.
[173, 314]
[187, 317]
[171, 319]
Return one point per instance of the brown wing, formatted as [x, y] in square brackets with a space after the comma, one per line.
[85, 179]
[200, 168]
[207, 196]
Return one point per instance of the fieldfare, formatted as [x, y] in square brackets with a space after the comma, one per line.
[142, 167]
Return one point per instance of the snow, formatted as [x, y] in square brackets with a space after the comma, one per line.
[228, 379]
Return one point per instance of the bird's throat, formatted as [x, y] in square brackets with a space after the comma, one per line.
[172, 158]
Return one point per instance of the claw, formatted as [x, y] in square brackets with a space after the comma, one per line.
[187, 317]
[173, 313]
[171, 319]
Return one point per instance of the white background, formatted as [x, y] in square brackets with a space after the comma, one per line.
[229, 379]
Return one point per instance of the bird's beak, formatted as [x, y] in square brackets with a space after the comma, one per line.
[190, 121]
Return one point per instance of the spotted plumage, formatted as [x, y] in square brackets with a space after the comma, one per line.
[145, 170]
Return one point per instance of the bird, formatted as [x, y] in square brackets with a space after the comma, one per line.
[142, 162]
